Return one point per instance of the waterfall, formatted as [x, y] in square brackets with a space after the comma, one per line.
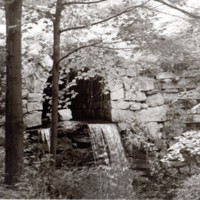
[106, 144]
[114, 180]
[46, 134]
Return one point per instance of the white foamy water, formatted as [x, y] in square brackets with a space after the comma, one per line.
[114, 180]
[106, 143]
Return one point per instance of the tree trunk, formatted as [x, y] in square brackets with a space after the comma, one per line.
[55, 79]
[14, 118]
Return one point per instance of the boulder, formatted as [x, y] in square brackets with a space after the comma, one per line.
[189, 96]
[155, 100]
[145, 83]
[190, 73]
[114, 84]
[24, 102]
[128, 82]
[135, 106]
[24, 93]
[33, 119]
[24, 110]
[167, 80]
[135, 95]
[193, 118]
[118, 115]
[130, 95]
[140, 96]
[171, 86]
[65, 114]
[131, 72]
[35, 97]
[152, 114]
[2, 120]
[165, 75]
[168, 97]
[28, 70]
[117, 93]
[121, 72]
[124, 105]
[33, 106]
[144, 106]
[189, 83]
[154, 130]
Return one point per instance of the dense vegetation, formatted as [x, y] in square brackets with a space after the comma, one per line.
[136, 36]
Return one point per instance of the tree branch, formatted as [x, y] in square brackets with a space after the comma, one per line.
[79, 48]
[166, 13]
[107, 19]
[115, 48]
[81, 2]
[179, 9]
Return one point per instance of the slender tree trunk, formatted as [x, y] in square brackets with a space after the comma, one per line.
[55, 79]
[14, 119]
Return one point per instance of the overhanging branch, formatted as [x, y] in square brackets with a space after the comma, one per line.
[82, 2]
[179, 9]
[166, 13]
[107, 19]
[77, 49]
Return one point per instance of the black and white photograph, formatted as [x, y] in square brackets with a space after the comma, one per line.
[100, 99]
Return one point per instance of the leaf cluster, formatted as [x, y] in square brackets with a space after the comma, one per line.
[189, 189]
[176, 118]
[186, 148]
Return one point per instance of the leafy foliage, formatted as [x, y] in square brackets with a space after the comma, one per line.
[146, 48]
[189, 189]
[42, 182]
[176, 116]
[186, 148]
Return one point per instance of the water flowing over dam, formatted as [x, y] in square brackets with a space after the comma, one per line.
[114, 176]
[106, 143]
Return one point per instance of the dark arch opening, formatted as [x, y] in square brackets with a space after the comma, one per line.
[85, 97]
[91, 103]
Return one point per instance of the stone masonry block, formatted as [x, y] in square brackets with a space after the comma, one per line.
[33, 119]
[117, 94]
[145, 83]
[165, 75]
[152, 114]
[154, 130]
[118, 115]
[121, 104]
[65, 114]
[155, 100]
[33, 106]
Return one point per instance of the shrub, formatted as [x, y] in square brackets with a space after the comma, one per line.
[190, 189]
[174, 126]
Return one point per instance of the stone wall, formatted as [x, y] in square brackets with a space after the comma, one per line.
[146, 99]
[143, 98]
[34, 81]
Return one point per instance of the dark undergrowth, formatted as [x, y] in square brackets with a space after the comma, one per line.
[41, 181]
